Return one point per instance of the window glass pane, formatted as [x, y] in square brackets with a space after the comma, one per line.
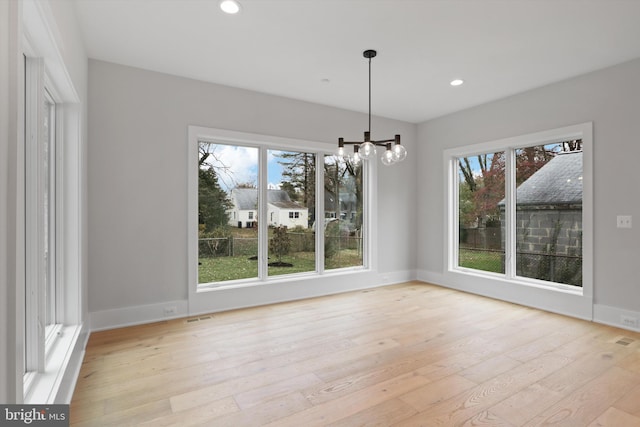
[343, 216]
[291, 212]
[481, 190]
[549, 212]
[48, 206]
[227, 212]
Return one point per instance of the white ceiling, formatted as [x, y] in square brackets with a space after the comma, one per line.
[287, 47]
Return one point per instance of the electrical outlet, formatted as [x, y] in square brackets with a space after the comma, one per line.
[170, 310]
[624, 221]
[629, 321]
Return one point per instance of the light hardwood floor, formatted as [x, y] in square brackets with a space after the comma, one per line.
[404, 355]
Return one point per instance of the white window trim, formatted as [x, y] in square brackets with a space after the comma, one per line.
[40, 40]
[221, 136]
[530, 292]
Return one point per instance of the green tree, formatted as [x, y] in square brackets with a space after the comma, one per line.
[299, 178]
[344, 176]
[290, 189]
[213, 202]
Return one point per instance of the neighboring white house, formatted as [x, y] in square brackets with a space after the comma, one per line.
[280, 209]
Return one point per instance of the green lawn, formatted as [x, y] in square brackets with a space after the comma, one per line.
[220, 269]
[481, 260]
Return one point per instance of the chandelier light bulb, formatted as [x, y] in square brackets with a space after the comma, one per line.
[399, 153]
[387, 158]
[367, 150]
[340, 151]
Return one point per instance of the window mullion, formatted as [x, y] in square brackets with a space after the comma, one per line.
[51, 185]
[263, 227]
[59, 216]
[320, 209]
[454, 218]
[510, 213]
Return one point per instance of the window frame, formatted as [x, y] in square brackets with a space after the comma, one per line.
[44, 376]
[264, 143]
[527, 291]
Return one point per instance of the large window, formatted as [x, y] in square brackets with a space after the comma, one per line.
[481, 188]
[227, 203]
[518, 208]
[41, 212]
[549, 212]
[50, 180]
[343, 207]
[291, 204]
[257, 212]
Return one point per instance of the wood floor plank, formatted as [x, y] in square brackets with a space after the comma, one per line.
[486, 418]
[524, 405]
[411, 354]
[262, 395]
[384, 414]
[260, 415]
[583, 406]
[457, 410]
[613, 417]
[194, 416]
[427, 396]
[335, 410]
[630, 402]
[489, 368]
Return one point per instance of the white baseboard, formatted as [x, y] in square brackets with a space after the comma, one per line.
[567, 304]
[137, 315]
[614, 316]
[606, 315]
[243, 297]
[430, 277]
[396, 277]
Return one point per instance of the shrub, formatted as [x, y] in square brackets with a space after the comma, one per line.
[280, 243]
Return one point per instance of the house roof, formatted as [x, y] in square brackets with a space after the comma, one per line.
[557, 182]
[247, 199]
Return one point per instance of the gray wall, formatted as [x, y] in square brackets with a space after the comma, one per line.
[609, 98]
[138, 175]
[8, 148]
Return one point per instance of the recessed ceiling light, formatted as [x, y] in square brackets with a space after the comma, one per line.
[456, 82]
[230, 6]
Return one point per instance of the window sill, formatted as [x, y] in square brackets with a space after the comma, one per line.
[43, 387]
[521, 281]
[237, 284]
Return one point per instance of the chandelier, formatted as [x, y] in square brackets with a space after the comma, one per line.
[394, 152]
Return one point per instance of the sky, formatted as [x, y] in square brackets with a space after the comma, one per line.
[242, 166]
